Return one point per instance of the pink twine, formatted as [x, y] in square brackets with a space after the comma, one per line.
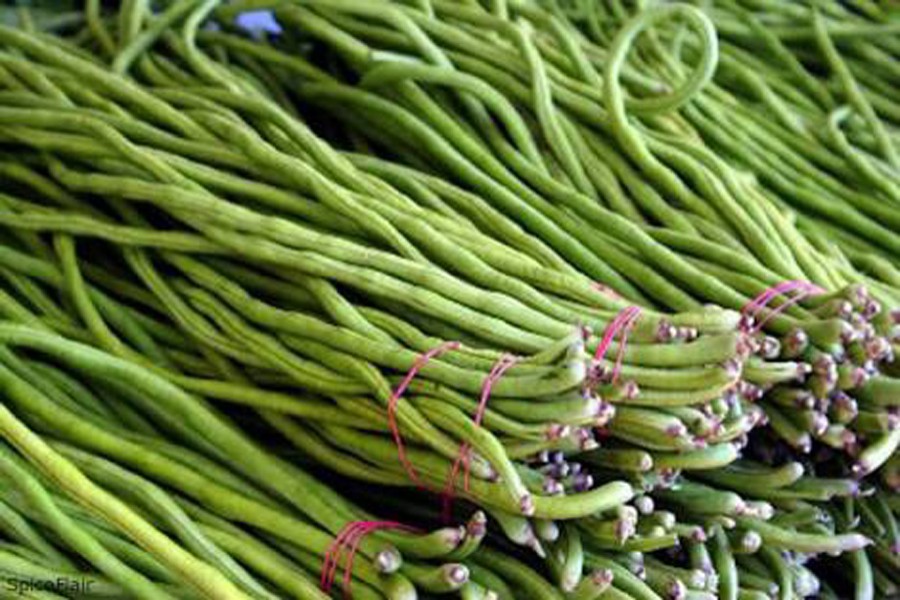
[611, 330]
[623, 322]
[755, 306]
[629, 322]
[350, 536]
[420, 362]
[503, 364]
[763, 298]
[332, 556]
[784, 306]
[448, 494]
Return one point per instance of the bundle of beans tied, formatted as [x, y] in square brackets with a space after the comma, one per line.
[505, 299]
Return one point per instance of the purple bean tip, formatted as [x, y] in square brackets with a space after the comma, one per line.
[526, 505]
[457, 574]
[602, 577]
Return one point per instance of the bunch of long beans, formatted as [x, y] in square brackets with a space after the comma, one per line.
[573, 167]
[756, 236]
[471, 265]
[243, 510]
[677, 374]
[202, 303]
[876, 516]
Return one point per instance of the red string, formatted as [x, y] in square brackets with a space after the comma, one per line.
[351, 537]
[447, 495]
[332, 556]
[503, 364]
[787, 304]
[623, 322]
[766, 295]
[610, 332]
[354, 548]
[755, 306]
[631, 319]
[420, 362]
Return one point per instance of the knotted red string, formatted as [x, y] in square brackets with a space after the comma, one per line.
[332, 556]
[464, 458]
[629, 322]
[350, 537]
[420, 362]
[623, 322]
[758, 304]
[612, 329]
[768, 294]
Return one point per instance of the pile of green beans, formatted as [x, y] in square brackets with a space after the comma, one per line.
[872, 571]
[255, 286]
[99, 484]
[454, 101]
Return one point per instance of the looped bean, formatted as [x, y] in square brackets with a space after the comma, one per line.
[698, 79]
